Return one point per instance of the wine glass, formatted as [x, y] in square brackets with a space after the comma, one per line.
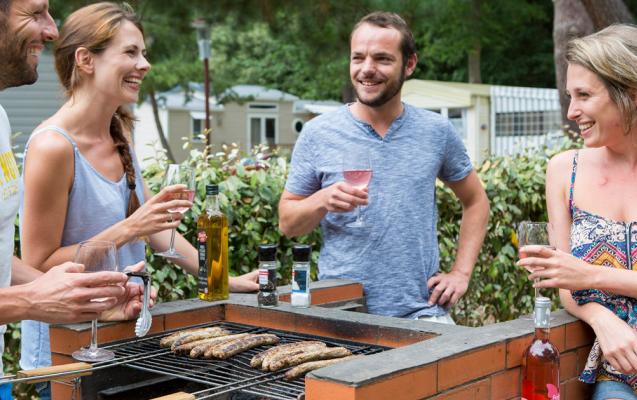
[184, 175]
[357, 171]
[533, 233]
[96, 255]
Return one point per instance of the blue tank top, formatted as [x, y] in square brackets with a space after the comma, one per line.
[95, 204]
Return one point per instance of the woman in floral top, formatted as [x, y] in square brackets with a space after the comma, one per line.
[591, 197]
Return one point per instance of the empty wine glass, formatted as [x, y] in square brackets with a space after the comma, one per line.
[357, 171]
[96, 255]
[184, 175]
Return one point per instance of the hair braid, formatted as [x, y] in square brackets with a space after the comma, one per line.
[122, 122]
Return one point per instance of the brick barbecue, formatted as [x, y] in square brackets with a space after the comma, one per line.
[426, 360]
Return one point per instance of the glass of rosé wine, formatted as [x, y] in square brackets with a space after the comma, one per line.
[96, 256]
[357, 171]
[178, 174]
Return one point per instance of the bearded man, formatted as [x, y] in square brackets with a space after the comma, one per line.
[395, 253]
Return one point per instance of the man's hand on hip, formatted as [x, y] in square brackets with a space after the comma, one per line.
[445, 289]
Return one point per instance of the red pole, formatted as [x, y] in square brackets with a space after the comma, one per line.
[207, 94]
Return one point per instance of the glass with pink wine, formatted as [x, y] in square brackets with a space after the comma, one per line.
[178, 174]
[357, 171]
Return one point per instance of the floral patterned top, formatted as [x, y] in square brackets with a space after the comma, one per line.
[611, 244]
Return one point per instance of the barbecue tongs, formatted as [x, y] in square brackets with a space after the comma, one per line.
[145, 319]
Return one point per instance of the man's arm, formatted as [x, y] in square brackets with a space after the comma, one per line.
[299, 215]
[449, 287]
[61, 295]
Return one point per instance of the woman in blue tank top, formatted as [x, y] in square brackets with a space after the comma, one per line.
[591, 197]
[81, 178]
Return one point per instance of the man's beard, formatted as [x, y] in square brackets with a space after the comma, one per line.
[16, 70]
[392, 90]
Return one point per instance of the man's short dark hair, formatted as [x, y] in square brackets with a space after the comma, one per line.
[385, 19]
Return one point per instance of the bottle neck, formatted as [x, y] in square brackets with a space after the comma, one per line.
[212, 202]
[542, 334]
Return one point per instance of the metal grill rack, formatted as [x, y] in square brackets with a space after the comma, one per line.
[224, 376]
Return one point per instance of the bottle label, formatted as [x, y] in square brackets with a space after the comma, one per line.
[202, 250]
[299, 281]
[263, 277]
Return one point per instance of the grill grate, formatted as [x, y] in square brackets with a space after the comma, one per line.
[224, 376]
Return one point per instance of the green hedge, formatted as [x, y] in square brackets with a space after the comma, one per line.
[249, 193]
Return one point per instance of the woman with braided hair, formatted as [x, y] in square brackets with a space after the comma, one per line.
[81, 178]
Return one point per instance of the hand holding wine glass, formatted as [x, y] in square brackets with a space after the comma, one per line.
[357, 171]
[96, 256]
[184, 175]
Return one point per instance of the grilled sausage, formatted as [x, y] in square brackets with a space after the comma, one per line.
[258, 359]
[193, 337]
[283, 353]
[304, 368]
[229, 349]
[210, 347]
[323, 354]
[198, 349]
[170, 339]
[188, 347]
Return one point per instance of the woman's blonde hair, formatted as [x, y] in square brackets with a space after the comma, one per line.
[94, 27]
[611, 54]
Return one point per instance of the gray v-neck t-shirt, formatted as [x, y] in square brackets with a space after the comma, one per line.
[397, 252]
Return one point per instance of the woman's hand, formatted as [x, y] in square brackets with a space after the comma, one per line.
[153, 216]
[244, 283]
[618, 342]
[557, 269]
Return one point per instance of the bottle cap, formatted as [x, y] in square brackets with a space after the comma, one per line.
[301, 252]
[267, 252]
[542, 313]
[212, 190]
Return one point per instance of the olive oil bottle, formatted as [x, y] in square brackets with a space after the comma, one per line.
[212, 246]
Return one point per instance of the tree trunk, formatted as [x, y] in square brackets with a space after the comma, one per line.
[475, 75]
[607, 12]
[160, 129]
[570, 21]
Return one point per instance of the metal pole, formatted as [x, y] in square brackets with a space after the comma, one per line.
[207, 95]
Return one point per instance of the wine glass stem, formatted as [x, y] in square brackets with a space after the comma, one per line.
[93, 347]
[537, 291]
[172, 241]
[358, 214]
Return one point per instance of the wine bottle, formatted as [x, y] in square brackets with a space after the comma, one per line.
[541, 360]
[212, 246]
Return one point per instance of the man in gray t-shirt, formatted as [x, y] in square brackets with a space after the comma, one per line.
[395, 253]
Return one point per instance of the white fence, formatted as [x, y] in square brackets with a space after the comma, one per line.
[523, 118]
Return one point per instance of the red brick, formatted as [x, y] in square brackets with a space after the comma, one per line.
[575, 390]
[568, 365]
[415, 384]
[505, 385]
[578, 334]
[470, 366]
[515, 349]
[473, 391]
